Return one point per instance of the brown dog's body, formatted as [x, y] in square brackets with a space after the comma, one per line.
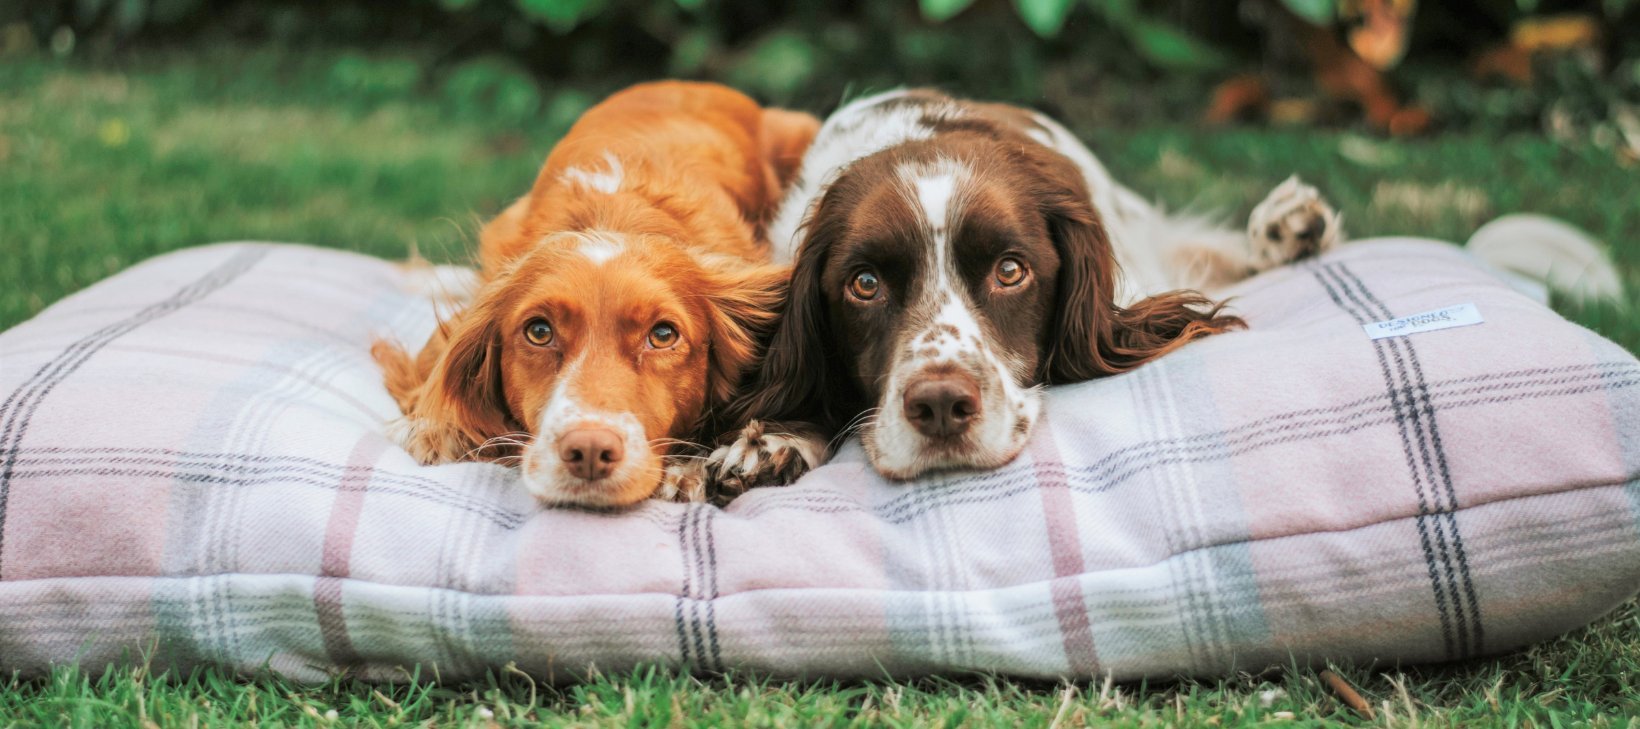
[951, 257]
[620, 300]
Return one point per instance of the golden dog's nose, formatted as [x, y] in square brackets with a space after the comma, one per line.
[591, 453]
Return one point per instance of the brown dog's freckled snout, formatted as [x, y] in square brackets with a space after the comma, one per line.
[591, 453]
[943, 405]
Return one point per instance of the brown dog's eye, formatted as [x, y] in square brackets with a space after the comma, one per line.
[1010, 272]
[539, 332]
[663, 336]
[865, 285]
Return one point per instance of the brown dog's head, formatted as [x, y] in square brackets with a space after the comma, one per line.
[587, 358]
[941, 281]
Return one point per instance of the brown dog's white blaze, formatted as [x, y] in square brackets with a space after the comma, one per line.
[953, 395]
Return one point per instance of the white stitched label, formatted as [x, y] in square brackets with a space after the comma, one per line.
[1462, 315]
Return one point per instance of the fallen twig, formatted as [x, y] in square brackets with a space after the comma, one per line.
[1348, 694]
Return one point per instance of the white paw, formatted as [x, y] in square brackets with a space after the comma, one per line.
[402, 431]
[425, 441]
[1292, 223]
[684, 479]
[758, 457]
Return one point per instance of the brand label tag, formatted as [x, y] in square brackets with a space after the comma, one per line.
[1462, 315]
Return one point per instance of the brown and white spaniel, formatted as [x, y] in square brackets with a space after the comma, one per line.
[620, 301]
[951, 258]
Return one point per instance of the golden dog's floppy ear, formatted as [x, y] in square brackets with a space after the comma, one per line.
[745, 304]
[461, 402]
[1092, 336]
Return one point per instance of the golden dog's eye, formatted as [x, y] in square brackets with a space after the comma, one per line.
[865, 286]
[663, 336]
[1010, 272]
[539, 332]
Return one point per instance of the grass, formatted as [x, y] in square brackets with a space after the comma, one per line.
[110, 163]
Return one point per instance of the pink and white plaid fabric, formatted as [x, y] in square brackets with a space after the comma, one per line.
[192, 465]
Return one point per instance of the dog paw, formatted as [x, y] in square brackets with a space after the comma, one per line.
[1292, 223]
[416, 438]
[426, 441]
[759, 456]
[683, 479]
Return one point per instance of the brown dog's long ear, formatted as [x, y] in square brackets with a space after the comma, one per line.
[1092, 336]
[461, 403]
[795, 378]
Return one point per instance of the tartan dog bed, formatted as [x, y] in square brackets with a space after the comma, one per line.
[193, 471]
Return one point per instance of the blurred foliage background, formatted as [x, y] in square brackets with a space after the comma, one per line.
[133, 127]
[1569, 67]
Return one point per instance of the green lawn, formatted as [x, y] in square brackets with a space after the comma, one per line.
[104, 165]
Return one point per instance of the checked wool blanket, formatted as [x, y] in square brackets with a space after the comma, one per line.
[193, 471]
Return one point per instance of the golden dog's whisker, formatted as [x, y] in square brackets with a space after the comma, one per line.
[516, 439]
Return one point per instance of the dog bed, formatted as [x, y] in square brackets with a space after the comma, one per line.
[193, 471]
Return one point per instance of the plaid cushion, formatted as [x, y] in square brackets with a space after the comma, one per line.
[192, 464]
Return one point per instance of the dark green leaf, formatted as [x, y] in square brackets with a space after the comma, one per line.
[1043, 17]
[560, 16]
[940, 11]
[1120, 13]
[1318, 12]
[1169, 48]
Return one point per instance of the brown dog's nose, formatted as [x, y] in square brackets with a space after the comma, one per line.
[591, 453]
[942, 405]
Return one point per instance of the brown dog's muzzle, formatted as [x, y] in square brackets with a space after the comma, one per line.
[942, 405]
